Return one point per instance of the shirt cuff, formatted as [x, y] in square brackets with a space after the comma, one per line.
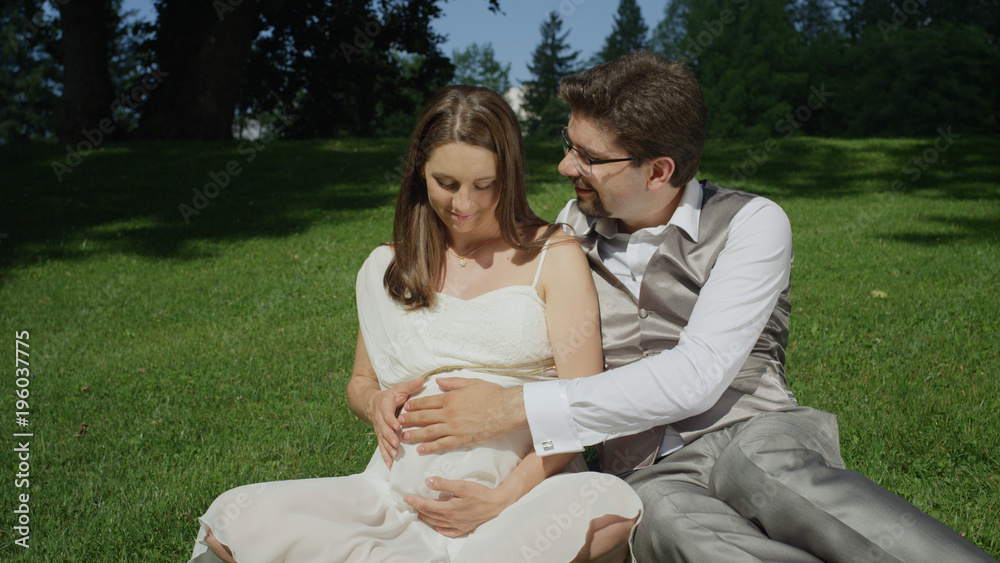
[546, 407]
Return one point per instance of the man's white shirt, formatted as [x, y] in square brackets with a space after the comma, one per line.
[734, 305]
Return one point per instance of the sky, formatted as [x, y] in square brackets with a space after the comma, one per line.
[515, 33]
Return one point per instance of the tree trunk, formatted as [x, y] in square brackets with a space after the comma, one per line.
[87, 91]
[202, 50]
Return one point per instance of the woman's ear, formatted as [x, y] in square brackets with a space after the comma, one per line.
[660, 172]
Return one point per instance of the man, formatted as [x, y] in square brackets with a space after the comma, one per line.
[694, 411]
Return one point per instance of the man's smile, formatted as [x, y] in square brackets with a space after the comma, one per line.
[582, 188]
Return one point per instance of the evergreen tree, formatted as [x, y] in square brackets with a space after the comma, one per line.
[551, 61]
[29, 73]
[668, 36]
[131, 60]
[812, 18]
[918, 81]
[751, 72]
[746, 56]
[477, 65]
[627, 35]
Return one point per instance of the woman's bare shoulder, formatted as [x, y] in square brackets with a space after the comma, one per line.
[564, 258]
[561, 242]
[560, 237]
[565, 271]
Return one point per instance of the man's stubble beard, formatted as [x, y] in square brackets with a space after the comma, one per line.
[592, 207]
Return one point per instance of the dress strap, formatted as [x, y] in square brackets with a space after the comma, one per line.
[541, 260]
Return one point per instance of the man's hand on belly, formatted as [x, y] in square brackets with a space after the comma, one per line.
[470, 411]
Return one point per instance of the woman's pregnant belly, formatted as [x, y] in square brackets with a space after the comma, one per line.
[489, 463]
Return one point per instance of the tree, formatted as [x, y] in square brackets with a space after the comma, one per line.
[345, 68]
[746, 57]
[941, 50]
[201, 51]
[67, 68]
[132, 65]
[550, 62]
[29, 74]
[627, 35]
[919, 81]
[668, 36]
[812, 18]
[87, 92]
[351, 67]
[477, 65]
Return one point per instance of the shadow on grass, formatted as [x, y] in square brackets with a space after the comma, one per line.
[806, 167]
[127, 198]
[960, 229]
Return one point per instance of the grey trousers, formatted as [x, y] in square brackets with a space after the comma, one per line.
[774, 488]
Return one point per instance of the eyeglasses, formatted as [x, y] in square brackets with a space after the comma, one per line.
[582, 160]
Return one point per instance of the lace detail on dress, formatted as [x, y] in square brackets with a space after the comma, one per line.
[504, 326]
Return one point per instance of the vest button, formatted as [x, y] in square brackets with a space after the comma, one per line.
[643, 313]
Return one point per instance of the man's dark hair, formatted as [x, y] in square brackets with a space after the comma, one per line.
[652, 105]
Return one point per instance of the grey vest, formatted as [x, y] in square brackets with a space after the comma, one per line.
[670, 287]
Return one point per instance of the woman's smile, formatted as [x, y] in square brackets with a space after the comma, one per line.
[462, 218]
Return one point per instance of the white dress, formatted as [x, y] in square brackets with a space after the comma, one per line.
[362, 518]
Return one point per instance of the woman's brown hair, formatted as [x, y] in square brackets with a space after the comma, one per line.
[457, 114]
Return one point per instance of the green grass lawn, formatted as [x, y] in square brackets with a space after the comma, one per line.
[215, 352]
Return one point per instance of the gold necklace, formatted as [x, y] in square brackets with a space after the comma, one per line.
[461, 259]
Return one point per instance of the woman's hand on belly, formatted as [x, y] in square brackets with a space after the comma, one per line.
[382, 411]
[464, 507]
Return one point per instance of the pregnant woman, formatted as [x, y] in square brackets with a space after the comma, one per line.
[474, 284]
